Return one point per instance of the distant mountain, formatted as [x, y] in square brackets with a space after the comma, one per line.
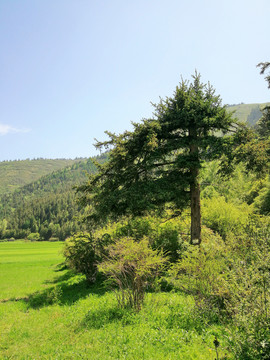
[48, 206]
[248, 113]
[15, 174]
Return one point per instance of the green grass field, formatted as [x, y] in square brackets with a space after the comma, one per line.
[46, 312]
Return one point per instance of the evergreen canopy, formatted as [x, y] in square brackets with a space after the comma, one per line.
[263, 126]
[158, 163]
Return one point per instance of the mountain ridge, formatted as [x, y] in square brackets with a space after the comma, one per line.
[16, 173]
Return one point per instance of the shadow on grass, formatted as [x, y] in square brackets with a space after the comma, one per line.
[66, 290]
[98, 318]
[58, 279]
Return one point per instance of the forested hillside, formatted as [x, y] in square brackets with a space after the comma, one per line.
[46, 208]
[15, 174]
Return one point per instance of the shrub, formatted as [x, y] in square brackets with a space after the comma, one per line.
[132, 266]
[202, 272]
[167, 238]
[162, 235]
[82, 254]
[33, 237]
[249, 285]
[53, 239]
[262, 202]
[136, 228]
[224, 217]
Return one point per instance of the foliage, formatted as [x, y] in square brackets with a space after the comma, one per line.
[224, 217]
[3, 227]
[132, 265]
[241, 187]
[47, 206]
[163, 234]
[232, 281]
[249, 285]
[82, 254]
[54, 315]
[265, 66]
[262, 201]
[159, 162]
[201, 272]
[33, 237]
[263, 126]
[255, 155]
[168, 238]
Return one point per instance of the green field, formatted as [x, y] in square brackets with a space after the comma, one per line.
[46, 312]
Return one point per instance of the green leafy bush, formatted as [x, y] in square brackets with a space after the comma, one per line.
[82, 254]
[224, 217]
[136, 228]
[132, 266]
[33, 237]
[168, 238]
[262, 201]
[202, 272]
[163, 235]
[249, 286]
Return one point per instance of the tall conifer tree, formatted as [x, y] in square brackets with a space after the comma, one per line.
[158, 163]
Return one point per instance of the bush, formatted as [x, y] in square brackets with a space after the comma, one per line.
[202, 272]
[33, 237]
[162, 235]
[136, 228]
[262, 202]
[132, 266]
[249, 285]
[167, 238]
[224, 217]
[53, 239]
[82, 254]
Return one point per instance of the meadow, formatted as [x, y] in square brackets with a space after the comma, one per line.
[48, 312]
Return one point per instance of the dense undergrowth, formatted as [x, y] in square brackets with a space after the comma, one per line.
[146, 292]
[227, 276]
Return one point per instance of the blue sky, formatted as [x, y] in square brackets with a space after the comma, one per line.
[71, 69]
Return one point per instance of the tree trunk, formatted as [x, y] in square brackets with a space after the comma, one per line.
[195, 200]
[195, 212]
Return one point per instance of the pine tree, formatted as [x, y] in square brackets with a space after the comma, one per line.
[158, 164]
[263, 126]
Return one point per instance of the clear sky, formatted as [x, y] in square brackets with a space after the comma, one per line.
[71, 69]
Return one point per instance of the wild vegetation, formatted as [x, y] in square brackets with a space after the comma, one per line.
[173, 261]
[156, 171]
[56, 315]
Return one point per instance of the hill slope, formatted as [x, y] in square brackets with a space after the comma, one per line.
[15, 174]
[248, 113]
[46, 206]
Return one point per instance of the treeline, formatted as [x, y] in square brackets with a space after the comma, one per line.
[46, 209]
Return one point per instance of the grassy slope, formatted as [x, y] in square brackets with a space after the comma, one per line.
[242, 111]
[14, 174]
[59, 317]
